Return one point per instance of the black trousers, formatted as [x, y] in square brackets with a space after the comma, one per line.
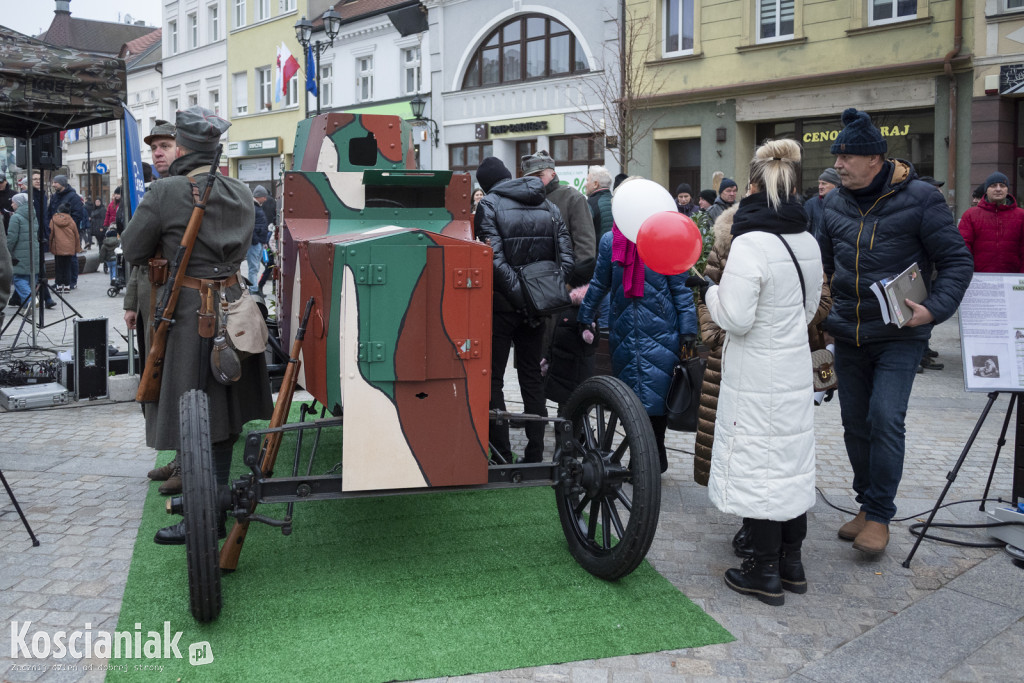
[771, 538]
[511, 329]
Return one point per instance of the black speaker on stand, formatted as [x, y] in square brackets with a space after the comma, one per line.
[91, 366]
[46, 153]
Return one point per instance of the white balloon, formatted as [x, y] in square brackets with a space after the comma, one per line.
[637, 200]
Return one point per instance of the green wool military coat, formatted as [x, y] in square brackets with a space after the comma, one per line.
[224, 238]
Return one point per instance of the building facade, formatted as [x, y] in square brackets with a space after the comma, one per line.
[997, 109]
[511, 77]
[733, 73]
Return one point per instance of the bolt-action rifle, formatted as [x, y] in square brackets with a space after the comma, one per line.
[163, 319]
[271, 442]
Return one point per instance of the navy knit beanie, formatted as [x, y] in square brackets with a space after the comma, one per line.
[859, 136]
[726, 183]
[491, 172]
[709, 196]
[996, 177]
[684, 187]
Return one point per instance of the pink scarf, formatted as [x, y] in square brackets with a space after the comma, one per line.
[624, 253]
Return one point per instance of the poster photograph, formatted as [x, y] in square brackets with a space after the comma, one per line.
[992, 332]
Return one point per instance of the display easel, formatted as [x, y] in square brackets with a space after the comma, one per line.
[1018, 468]
[991, 342]
[35, 541]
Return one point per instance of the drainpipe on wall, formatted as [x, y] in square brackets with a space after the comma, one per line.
[958, 40]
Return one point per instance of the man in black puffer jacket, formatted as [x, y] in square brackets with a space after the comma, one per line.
[876, 225]
[522, 227]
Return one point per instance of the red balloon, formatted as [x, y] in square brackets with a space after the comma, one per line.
[669, 243]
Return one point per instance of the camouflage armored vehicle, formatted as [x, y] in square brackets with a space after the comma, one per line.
[381, 261]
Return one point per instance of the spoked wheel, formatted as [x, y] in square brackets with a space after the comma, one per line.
[610, 498]
[199, 506]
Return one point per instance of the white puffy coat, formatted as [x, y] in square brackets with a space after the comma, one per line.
[763, 458]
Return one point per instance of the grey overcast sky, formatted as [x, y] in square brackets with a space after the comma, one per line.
[31, 17]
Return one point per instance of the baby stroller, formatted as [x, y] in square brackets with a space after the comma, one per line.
[117, 283]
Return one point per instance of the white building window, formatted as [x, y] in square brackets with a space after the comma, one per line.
[214, 101]
[240, 92]
[265, 87]
[890, 11]
[678, 38]
[287, 6]
[327, 85]
[364, 78]
[239, 13]
[213, 18]
[262, 10]
[291, 98]
[192, 24]
[411, 79]
[775, 20]
[172, 108]
[1014, 4]
[193, 99]
[172, 37]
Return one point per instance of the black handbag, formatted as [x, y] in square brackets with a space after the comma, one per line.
[544, 289]
[682, 403]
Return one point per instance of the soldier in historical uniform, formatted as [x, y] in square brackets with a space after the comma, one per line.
[226, 233]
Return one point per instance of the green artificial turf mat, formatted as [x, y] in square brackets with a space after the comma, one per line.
[401, 588]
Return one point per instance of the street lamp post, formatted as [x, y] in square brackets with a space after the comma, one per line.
[304, 34]
[417, 104]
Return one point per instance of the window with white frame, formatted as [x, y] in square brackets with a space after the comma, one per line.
[364, 78]
[265, 87]
[327, 85]
[411, 78]
[287, 6]
[678, 38]
[172, 37]
[1010, 5]
[213, 20]
[192, 26]
[262, 10]
[775, 20]
[213, 101]
[240, 92]
[172, 108]
[889, 11]
[193, 99]
[291, 98]
[239, 13]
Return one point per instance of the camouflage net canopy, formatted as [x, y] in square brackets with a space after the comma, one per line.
[45, 88]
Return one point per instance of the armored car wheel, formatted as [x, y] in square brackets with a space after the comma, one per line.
[199, 506]
[609, 498]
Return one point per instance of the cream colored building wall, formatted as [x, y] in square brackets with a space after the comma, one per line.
[998, 40]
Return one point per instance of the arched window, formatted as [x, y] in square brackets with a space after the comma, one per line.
[528, 47]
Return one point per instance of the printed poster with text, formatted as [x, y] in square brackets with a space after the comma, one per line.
[992, 332]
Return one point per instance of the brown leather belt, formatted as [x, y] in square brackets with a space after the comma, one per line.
[198, 283]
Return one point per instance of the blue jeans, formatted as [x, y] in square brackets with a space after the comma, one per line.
[21, 287]
[874, 388]
[253, 259]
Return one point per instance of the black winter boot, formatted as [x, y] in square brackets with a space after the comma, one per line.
[791, 570]
[743, 542]
[758, 578]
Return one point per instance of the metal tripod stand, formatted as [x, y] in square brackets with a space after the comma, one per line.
[35, 541]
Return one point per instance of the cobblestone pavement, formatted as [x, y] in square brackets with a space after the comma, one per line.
[957, 614]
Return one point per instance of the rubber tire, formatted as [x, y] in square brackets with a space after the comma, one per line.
[199, 506]
[638, 464]
[112, 292]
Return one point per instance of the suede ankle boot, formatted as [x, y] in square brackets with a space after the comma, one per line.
[163, 473]
[759, 578]
[791, 570]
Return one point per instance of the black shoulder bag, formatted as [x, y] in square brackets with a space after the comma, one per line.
[682, 402]
[543, 285]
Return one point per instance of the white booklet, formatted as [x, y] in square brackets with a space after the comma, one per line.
[892, 292]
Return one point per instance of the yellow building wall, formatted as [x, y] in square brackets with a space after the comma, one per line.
[254, 46]
[998, 40]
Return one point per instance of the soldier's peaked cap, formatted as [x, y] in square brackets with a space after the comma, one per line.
[199, 129]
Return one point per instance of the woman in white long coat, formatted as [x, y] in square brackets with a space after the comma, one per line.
[763, 458]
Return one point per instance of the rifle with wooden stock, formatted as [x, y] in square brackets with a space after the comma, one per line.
[271, 442]
[152, 376]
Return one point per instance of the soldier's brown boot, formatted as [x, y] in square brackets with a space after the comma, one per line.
[163, 473]
[173, 484]
[849, 531]
[872, 539]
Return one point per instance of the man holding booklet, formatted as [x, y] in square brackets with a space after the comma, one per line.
[876, 226]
